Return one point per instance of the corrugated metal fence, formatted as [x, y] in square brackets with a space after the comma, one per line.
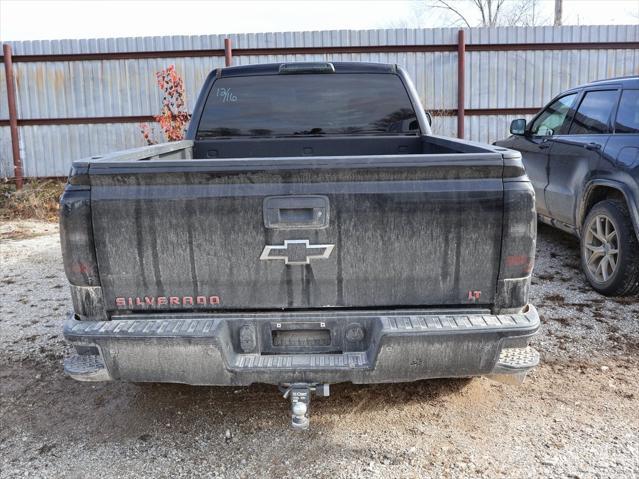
[77, 98]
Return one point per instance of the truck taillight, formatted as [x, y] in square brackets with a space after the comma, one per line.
[522, 263]
[76, 236]
[519, 236]
[519, 230]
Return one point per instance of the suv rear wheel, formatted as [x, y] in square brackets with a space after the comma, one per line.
[609, 249]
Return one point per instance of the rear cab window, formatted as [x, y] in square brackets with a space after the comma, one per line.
[593, 114]
[627, 120]
[308, 105]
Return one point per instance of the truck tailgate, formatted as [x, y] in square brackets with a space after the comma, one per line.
[279, 233]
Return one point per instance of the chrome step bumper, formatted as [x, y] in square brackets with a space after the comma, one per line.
[514, 364]
[86, 367]
[396, 346]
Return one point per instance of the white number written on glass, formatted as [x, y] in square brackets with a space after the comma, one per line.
[226, 95]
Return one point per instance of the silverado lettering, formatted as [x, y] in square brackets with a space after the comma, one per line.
[162, 300]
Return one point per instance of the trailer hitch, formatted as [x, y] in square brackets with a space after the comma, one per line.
[300, 397]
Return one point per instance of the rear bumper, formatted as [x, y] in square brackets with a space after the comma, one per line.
[392, 347]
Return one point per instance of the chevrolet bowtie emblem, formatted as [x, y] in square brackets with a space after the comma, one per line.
[297, 252]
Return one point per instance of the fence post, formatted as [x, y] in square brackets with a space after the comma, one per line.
[228, 52]
[13, 115]
[461, 82]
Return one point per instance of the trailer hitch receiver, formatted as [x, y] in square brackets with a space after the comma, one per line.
[300, 396]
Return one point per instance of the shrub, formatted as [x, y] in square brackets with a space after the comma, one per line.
[174, 117]
[38, 199]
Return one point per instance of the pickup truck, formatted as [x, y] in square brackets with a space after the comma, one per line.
[310, 230]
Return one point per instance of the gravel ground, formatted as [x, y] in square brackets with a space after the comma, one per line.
[577, 415]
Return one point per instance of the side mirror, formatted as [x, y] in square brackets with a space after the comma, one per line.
[518, 127]
[429, 118]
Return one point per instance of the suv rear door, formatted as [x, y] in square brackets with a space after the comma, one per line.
[575, 154]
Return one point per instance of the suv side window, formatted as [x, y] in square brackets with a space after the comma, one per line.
[552, 119]
[593, 113]
[628, 113]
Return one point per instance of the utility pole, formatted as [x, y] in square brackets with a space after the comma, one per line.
[558, 12]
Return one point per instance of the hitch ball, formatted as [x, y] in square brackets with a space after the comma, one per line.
[300, 397]
[299, 409]
[299, 420]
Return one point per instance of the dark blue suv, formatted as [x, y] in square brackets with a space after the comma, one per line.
[581, 153]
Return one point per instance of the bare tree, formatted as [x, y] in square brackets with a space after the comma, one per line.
[490, 13]
[447, 5]
[558, 12]
[522, 13]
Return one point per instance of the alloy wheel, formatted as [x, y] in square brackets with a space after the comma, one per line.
[601, 248]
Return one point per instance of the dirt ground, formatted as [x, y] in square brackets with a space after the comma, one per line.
[577, 415]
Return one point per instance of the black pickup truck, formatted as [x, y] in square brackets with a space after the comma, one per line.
[310, 230]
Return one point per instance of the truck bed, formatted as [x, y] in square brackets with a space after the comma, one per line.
[408, 230]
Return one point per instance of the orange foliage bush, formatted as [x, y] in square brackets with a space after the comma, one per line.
[173, 117]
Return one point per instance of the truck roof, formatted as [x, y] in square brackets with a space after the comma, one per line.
[307, 67]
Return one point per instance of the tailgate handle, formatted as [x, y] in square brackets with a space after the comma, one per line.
[296, 212]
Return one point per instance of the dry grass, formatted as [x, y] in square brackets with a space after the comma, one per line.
[38, 200]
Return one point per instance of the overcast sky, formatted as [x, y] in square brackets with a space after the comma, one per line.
[50, 19]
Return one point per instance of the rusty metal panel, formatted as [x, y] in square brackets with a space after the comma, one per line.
[444, 125]
[48, 150]
[484, 128]
[488, 129]
[434, 74]
[126, 87]
[4, 106]
[434, 36]
[74, 89]
[550, 34]
[6, 161]
[437, 36]
[531, 78]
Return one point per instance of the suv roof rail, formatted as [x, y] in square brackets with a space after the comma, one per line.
[604, 80]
